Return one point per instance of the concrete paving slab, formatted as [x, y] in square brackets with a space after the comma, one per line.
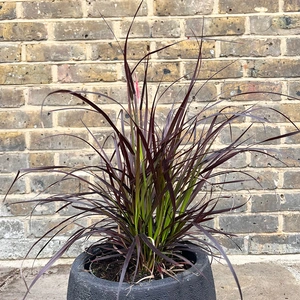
[279, 280]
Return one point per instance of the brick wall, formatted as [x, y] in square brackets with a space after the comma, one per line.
[46, 45]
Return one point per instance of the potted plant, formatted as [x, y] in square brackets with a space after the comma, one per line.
[149, 236]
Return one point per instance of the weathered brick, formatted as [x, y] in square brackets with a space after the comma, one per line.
[12, 162]
[280, 158]
[80, 118]
[275, 25]
[215, 69]
[159, 71]
[163, 71]
[117, 8]
[23, 119]
[291, 179]
[103, 138]
[188, 49]
[182, 8]
[81, 30]
[37, 96]
[202, 92]
[292, 139]
[17, 249]
[55, 52]
[291, 6]
[57, 140]
[215, 26]
[41, 159]
[6, 185]
[52, 9]
[25, 74]
[29, 208]
[167, 93]
[114, 50]
[271, 114]
[273, 67]
[7, 10]
[290, 201]
[68, 73]
[39, 226]
[256, 134]
[118, 92]
[206, 112]
[251, 47]
[252, 91]
[11, 229]
[274, 244]
[292, 46]
[77, 159]
[237, 162]
[263, 180]
[139, 29]
[52, 183]
[166, 28]
[231, 201]
[265, 203]
[23, 31]
[248, 223]
[235, 245]
[243, 7]
[291, 110]
[11, 97]
[12, 141]
[291, 222]
[10, 53]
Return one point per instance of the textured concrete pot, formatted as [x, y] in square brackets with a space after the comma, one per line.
[85, 286]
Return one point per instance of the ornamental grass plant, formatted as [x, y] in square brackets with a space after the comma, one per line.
[151, 198]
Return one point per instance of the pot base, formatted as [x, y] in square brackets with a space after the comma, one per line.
[191, 286]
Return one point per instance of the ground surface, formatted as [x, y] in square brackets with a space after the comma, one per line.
[259, 281]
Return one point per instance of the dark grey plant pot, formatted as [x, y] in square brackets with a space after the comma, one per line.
[85, 286]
